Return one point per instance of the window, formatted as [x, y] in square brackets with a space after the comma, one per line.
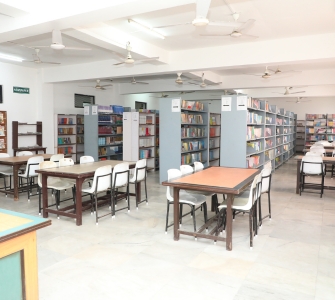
[140, 105]
[80, 100]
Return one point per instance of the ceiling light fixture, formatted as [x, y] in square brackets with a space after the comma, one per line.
[9, 57]
[146, 29]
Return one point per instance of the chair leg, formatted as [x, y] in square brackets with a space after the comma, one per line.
[322, 185]
[167, 215]
[127, 197]
[260, 211]
[194, 224]
[145, 188]
[269, 199]
[39, 201]
[205, 211]
[96, 208]
[250, 229]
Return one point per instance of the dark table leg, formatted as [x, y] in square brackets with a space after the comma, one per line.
[138, 193]
[45, 195]
[229, 227]
[16, 181]
[298, 177]
[176, 213]
[79, 183]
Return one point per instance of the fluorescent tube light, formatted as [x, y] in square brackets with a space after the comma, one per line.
[146, 29]
[9, 57]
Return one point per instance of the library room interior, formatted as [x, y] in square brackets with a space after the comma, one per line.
[167, 149]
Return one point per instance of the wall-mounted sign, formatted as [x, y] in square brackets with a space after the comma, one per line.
[20, 90]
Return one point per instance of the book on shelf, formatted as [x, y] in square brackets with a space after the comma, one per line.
[2, 144]
[1, 118]
[2, 131]
[253, 161]
[212, 120]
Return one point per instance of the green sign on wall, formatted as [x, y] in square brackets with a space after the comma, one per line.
[20, 90]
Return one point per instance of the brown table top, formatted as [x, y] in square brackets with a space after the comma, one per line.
[216, 179]
[81, 169]
[20, 159]
[326, 159]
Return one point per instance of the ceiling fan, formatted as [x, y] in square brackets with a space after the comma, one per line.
[56, 43]
[234, 14]
[179, 80]
[37, 59]
[161, 96]
[133, 81]
[98, 86]
[202, 7]
[279, 71]
[236, 33]
[288, 91]
[203, 84]
[267, 74]
[298, 100]
[128, 59]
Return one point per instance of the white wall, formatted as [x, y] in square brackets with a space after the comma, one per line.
[315, 105]
[129, 100]
[19, 107]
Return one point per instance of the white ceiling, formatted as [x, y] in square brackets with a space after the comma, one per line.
[292, 35]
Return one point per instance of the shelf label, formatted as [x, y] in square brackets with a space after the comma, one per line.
[20, 90]
[94, 110]
[175, 105]
[86, 110]
[242, 102]
[225, 103]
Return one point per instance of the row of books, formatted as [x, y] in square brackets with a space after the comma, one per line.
[110, 130]
[192, 145]
[254, 118]
[270, 154]
[146, 143]
[143, 131]
[65, 130]
[278, 160]
[253, 161]
[320, 123]
[109, 140]
[315, 116]
[330, 123]
[62, 141]
[65, 121]
[212, 155]
[192, 132]
[253, 103]
[279, 121]
[2, 131]
[65, 150]
[254, 133]
[192, 105]
[278, 150]
[330, 130]
[80, 120]
[190, 158]
[145, 153]
[268, 144]
[270, 108]
[191, 119]
[285, 147]
[146, 119]
[269, 120]
[279, 141]
[214, 131]
[211, 143]
[80, 140]
[256, 145]
[2, 144]
[268, 131]
[212, 121]
[113, 119]
[80, 130]
[110, 150]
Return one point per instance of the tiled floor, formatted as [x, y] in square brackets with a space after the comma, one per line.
[131, 257]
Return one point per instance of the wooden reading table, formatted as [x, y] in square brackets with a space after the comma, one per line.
[16, 162]
[220, 180]
[78, 172]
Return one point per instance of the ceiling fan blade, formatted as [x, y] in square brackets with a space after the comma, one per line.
[298, 92]
[147, 59]
[188, 92]
[25, 46]
[57, 37]
[172, 25]
[193, 83]
[76, 48]
[226, 24]
[202, 8]
[214, 34]
[278, 93]
[119, 63]
[253, 74]
[119, 55]
[89, 86]
[141, 82]
[50, 62]
[250, 36]
[217, 83]
[246, 25]
[106, 85]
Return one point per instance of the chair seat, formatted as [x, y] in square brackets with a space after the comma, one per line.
[240, 201]
[188, 198]
[8, 172]
[59, 184]
[26, 175]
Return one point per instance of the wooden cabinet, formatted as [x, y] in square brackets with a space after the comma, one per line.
[22, 133]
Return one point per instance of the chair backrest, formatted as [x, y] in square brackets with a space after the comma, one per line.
[198, 166]
[45, 165]
[268, 165]
[4, 155]
[172, 173]
[86, 159]
[66, 162]
[56, 158]
[33, 165]
[266, 180]
[318, 146]
[120, 175]
[324, 143]
[140, 170]
[102, 179]
[186, 169]
[254, 191]
[314, 153]
[321, 151]
[4, 167]
[333, 154]
[312, 165]
[24, 153]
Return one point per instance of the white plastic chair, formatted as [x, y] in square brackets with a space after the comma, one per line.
[53, 183]
[120, 178]
[30, 174]
[101, 183]
[266, 188]
[311, 166]
[56, 157]
[86, 159]
[6, 172]
[24, 153]
[320, 151]
[191, 199]
[140, 175]
[64, 162]
[246, 203]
